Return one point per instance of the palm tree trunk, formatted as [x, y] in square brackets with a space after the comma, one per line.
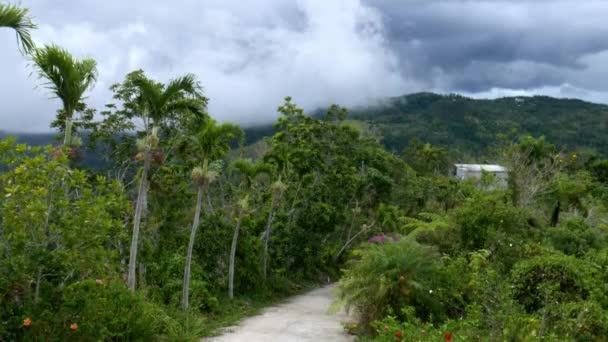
[267, 237]
[209, 203]
[233, 255]
[197, 215]
[67, 140]
[137, 221]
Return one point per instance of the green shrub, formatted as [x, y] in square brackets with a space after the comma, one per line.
[385, 277]
[548, 279]
[581, 321]
[485, 214]
[574, 237]
[110, 311]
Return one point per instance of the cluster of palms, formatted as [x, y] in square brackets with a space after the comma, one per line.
[68, 78]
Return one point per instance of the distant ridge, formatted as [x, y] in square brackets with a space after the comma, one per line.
[461, 123]
[464, 123]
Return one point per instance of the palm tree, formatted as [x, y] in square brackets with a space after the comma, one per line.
[277, 188]
[155, 103]
[249, 171]
[67, 79]
[19, 20]
[211, 142]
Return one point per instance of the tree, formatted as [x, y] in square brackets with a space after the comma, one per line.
[276, 188]
[249, 171]
[67, 79]
[211, 142]
[158, 105]
[18, 19]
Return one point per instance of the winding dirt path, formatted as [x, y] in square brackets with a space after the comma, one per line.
[303, 318]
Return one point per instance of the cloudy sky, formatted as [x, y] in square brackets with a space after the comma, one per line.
[250, 54]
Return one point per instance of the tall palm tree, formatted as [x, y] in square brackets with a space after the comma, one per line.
[155, 103]
[211, 142]
[18, 19]
[67, 78]
[276, 188]
[249, 171]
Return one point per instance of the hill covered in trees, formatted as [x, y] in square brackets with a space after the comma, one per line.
[458, 122]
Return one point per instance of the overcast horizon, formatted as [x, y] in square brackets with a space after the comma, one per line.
[351, 52]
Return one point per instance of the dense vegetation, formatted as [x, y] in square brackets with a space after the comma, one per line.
[184, 227]
[483, 262]
[469, 126]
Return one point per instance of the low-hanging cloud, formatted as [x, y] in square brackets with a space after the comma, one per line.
[249, 55]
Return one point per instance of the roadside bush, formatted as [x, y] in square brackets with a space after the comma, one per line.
[549, 279]
[385, 277]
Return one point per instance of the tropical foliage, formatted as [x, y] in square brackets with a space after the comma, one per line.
[182, 226]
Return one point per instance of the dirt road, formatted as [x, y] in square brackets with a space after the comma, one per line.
[303, 318]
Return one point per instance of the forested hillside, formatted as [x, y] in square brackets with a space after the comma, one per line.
[471, 125]
[463, 125]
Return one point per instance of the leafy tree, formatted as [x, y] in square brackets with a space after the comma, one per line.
[17, 18]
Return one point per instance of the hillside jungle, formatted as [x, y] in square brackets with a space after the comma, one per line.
[186, 228]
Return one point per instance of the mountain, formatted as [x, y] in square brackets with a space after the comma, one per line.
[466, 124]
[460, 123]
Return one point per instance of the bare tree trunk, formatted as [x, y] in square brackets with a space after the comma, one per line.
[209, 204]
[67, 139]
[195, 222]
[267, 237]
[233, 255]
[137, 221]
[38, 280]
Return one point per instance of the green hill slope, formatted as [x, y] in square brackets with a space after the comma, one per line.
[463, 123]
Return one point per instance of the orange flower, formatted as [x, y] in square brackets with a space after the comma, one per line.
[27, 322]
[74, 326]
[98, 281]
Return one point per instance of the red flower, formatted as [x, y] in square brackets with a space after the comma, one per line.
[398, 335]
[27, 322]
[74, 326]
[447, 336]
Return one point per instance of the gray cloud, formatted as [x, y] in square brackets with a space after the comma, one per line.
[249, 55]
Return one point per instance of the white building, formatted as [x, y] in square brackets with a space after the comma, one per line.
[474, 171]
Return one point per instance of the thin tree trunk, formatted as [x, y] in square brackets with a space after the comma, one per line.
[209, 204]
[267, 237]
[233, 255]
[38, 280]
[195, 222]
[555, 215]
[67, 139]
[136, 222]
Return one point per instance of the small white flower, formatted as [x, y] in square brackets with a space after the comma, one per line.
[431, 291]
[510, 245]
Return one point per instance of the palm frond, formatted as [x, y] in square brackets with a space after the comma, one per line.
[18, 19]
[186, 84]
[149, 96]
[67, 78]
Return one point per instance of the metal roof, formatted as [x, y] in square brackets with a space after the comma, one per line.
[479, 167]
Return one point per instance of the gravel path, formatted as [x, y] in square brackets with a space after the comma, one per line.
[302, 318]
